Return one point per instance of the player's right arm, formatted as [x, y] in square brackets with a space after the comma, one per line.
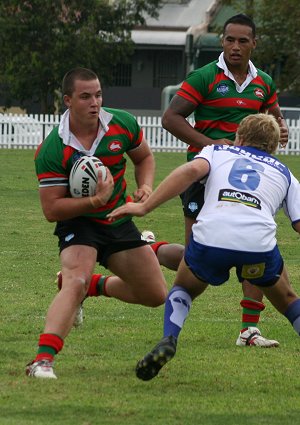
[174, 120]
[57, 205]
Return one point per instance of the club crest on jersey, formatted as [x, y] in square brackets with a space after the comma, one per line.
[115, 146]
[193, 206]
[259, 93]
[222, 89]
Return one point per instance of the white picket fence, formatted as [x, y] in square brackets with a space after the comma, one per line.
[27, 131]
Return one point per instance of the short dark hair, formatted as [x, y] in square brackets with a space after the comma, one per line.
[241, 19]
[76, 74]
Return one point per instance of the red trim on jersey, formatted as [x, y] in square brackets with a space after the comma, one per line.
[235, 102]
[38, 150]
[116, 130]
[260, 81]
[229, 127]
[67, 153]
[118, 176]
[113, 203]
[190, 93]
[273, 99]
[50, 175]
[273, 107]
[111, 160]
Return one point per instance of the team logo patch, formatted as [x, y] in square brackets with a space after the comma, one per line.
[115, 146]
[222, 89]
[69, 237]
[244, 198]
[259, 93]
[193, 206]
[253, 271]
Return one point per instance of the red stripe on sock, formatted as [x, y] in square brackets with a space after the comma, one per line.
[250, 318]
[253, 305]
[51, 340]
[92, 291]
[156, 245]
[44, 356]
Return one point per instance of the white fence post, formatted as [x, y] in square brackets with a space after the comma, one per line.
[28, 131]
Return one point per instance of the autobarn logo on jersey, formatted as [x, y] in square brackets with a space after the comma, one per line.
[115, 146]
[230, 195]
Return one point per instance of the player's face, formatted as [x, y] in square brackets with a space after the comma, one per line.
[238, 43]
[86, 101]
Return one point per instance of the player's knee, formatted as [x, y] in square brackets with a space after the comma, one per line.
[156, 298]
[78, 284]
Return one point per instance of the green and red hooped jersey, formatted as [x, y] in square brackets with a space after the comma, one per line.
[54, 160]
[219, 106]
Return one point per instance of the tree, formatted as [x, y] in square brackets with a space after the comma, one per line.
[279, 41]
[40, 40]
[278, 38]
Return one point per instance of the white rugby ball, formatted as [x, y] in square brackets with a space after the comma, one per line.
[84, 176]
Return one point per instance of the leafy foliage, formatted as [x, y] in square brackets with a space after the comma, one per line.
[279, 46]
[40, 40]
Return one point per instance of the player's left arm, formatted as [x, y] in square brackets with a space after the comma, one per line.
[144, 169]
[284, 132]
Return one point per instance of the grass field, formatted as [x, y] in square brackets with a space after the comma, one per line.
[209, 382]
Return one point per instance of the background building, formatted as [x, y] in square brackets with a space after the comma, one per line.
[166, 49]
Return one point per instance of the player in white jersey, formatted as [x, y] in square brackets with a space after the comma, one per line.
[241, 182]
[245, 187]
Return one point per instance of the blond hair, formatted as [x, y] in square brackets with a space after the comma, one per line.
[260, 131]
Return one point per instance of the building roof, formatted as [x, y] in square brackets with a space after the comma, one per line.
[174, 20]
[169, 38]
[182, 15]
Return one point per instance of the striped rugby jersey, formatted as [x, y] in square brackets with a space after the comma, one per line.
[54, 159]
[219, 106]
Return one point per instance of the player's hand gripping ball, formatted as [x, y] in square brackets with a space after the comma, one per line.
[84, 176]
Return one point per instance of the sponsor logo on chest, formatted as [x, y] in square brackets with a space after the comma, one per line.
[222, 89]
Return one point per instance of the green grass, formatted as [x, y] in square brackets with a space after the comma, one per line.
[210, 381]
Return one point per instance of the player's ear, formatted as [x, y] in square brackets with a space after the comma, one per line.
[66, 100]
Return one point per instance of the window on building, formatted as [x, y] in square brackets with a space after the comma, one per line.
[166, 68]
[122, 75]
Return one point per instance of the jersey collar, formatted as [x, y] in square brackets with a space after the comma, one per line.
[252, 73]
[70, 140]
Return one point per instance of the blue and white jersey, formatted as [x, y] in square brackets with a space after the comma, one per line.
[244, 190]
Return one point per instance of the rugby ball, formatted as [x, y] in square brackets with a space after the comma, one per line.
[84, 176]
